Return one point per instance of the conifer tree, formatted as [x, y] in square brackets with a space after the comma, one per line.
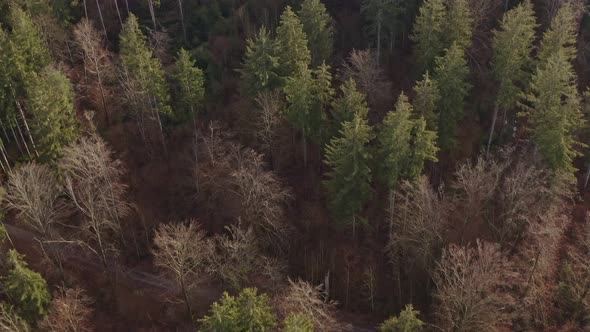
[51, 102]
[424, 148]
[261, 64]
[26, 289]
[145, 71]
[426, 101]
[350, 102]
[512, 60]
[317, 25]
[451, 77]
[300, 99]
[458, 25]
[394, 143]
[555, 114]
[348, 184]
[323, 97]
[383, 17]
[561, 35]
[407, 321]
[298, 322]
[429, 30]
[291, 44]
[191, 86]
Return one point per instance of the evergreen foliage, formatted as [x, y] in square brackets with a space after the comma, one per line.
[317, 25]
[261, 64]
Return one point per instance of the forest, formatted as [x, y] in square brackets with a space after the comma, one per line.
[294, 165]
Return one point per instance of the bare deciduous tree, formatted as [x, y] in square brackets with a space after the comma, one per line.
[33, 191]
[96, 58]
[363, 67]
[10, 321]
[467, 282]
[70, 311]
[93, 182]
[301, 297]
[181, 250]
[270, 108]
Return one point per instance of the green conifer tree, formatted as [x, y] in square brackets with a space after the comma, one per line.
[191, 86]
[561, 35]
[350, 102]
[50, 99]
[512, 61]
[384, 19]
[291, 44]
[26, 289]
[299, 92]
[407, 321]
[451, 78]
[317, 25]
[458, 25]
[429, 32]
[261, 64]
[298, 322]
[349, 180]
[426, 100]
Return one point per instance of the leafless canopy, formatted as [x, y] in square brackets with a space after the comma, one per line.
[467, 282]
[269, 103]
[10, 321]
[301, 297]
[70, 311]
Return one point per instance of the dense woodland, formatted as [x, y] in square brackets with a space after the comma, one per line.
[294, 165]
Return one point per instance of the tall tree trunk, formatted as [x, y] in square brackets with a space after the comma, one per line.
[85, 10]
[104, 29]
[20, 149]
[22, 137]
[22, 114]
[127, 5]
[4, 130]
[102, 96]
[587, 177]
[152, 13]
[186, 299]
[182, 20]
[492, 129]
[5, 156]
[379, 19]
[304, 139]
[118, 12]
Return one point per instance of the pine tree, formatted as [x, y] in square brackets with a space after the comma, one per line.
[423, 149]
[407, 321]
[555, 114]
[191, 86]
[261, 64]
[317, 25]
[394, 143]
[349, 180]
[383, 17]
[429, 32]
[51, 102]
[561, 36]
[323, 96]
[458, 26]
[291, 44]
[350, 102]
[426, 100]
[512, 61]
[451, 77]
[26, 289]
[298, 322]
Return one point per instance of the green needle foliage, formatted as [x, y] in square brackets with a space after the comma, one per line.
[561, 36]
[26, 289]
[317, 25]
[349, 180]
[247, 312]
[451, 78]
[407, 321]
[426, 100]
[261, 64]
[350, 102]
[298, 322]
[458, 26]
[51, 102]
[191, 86]
[138, 61]
[429, 32]
[291, 44]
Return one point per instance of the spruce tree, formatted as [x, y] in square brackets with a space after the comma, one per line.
[512, 59]
[191, 86]
[458, 25]
[424, 149]
[350, 102]
[426, 100]
[407, 321]
[561, 35]
[26, 289]
[291, 44]
[429, 32]
[451, 77]
[261, 64]
[138, 60]
[555, 114]
[317, 25]
[300, 99]
[50, 99]
[323, 97]
[394, 143]
[383, 17]
[349, 180]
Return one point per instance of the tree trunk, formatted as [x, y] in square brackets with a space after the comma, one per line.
[104, 29]
[152, 13]
[22, 114]
[4, 156]
[20, 149]
[127, 5]
[186, 299]
[103, 97]
[304, 140]
[118, 12]
[587, 177]
[182, 20]
[4, 130]
[85, 10]
[22, 137]
[391, 206]
[492, 129]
